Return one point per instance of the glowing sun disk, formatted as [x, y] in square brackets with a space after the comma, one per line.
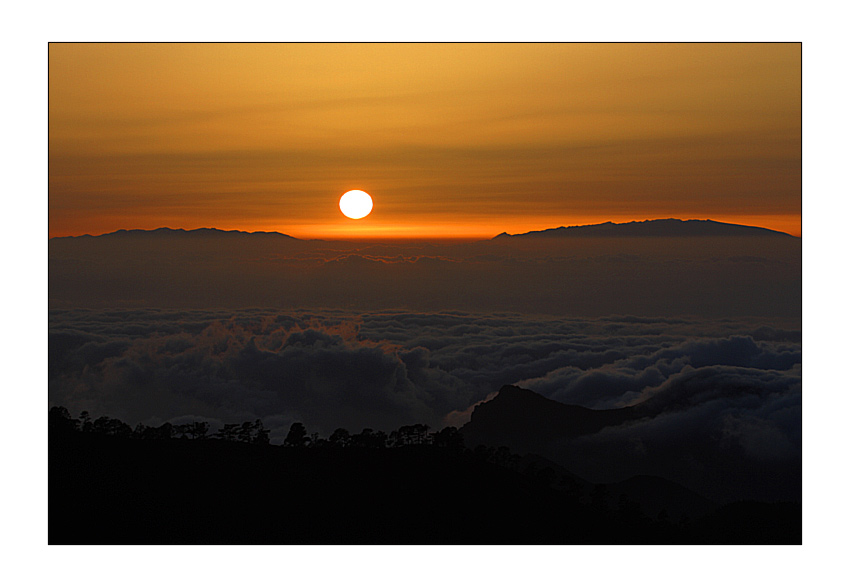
[355, 204]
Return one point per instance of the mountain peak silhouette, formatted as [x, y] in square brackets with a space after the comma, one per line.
[523, 419]
[667, 227]
[165, 232]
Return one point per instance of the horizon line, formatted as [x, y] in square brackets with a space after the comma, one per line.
[409, 237]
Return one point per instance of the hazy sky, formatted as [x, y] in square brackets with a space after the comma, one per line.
[449, 139]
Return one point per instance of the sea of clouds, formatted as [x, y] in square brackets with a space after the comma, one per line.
[718, 395]
[382, 370]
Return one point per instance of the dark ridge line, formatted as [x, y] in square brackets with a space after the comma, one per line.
[605, 229]
[177, 231]
[613, 229]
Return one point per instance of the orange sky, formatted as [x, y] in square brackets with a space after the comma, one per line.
[449, 139]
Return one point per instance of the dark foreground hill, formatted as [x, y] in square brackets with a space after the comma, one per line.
[523, 419]
[580, 440]
[113, 490]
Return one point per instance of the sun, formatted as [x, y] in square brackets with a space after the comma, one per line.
[355, 204]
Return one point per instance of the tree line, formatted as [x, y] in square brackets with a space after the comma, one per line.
[602, 504]
[412, 435]
[60, 420]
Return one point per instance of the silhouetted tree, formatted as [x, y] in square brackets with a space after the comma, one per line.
[340, 438]
[297, 436]
[368, 438]
[140, 432]
[317, 441]
[261, 434]
[193, 430]
[58, 414]
[378, 440]
[163, 432]
[229, 432]
[450, 438]
[246, 432]
[420, 433]
[404, 436]
[111, 427]
[85, 421]
[199, 430]
[59, 420]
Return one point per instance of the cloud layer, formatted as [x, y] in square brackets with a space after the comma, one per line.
[386, 369]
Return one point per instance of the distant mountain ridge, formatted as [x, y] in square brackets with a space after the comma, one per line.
[179, 232]
[668, 227]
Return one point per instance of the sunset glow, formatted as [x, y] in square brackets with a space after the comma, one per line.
[458, 139]
[425, 294]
